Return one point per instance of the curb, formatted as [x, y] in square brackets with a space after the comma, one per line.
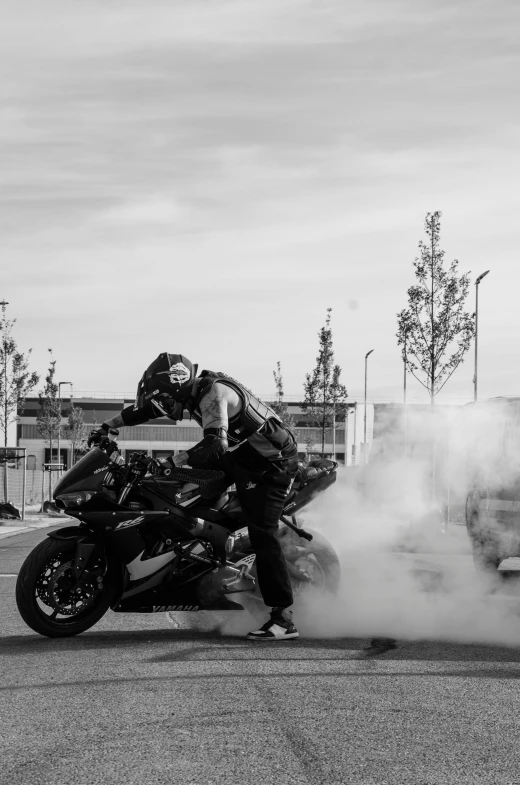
[11, 531]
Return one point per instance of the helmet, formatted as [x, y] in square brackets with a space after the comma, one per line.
[166, 384]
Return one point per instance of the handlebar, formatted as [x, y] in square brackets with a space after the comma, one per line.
[210, 481]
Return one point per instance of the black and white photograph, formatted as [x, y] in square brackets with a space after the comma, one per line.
[259, 392]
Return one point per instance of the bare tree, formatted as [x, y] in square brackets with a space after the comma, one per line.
[48, 417]
[280, 406]
[310, 444]
[76, 431]
[325, 396]
[16, 381]
[435, 331]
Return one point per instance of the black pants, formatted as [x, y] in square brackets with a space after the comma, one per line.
[262, 491]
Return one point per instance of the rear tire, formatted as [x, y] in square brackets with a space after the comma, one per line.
[486, 554]
[317, 560]
[485, 560]
[42, 592]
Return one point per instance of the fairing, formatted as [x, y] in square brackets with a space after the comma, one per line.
[87, 474]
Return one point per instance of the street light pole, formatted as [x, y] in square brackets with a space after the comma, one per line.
[355, 451]
[348, 409]
[475, 381]
[365, 412]
[404, 398]
[4, 303]
[334, 430]
[59, 425]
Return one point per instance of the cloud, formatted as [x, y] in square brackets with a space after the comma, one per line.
[151, 211]
[278, 152]
[59, 29]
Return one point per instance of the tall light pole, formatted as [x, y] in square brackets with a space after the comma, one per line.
[4, 303]
[404, 396]
[348, 409]
[355, 451]
[365, 413]
[59, 423]
[475, 381]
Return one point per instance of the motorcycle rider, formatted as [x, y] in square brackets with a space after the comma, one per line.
[246, 439]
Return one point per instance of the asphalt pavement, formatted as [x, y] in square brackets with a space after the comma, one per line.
[164, 698]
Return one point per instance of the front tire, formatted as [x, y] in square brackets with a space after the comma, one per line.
[46, 595]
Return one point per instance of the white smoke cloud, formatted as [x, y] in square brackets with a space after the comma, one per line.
[402, 576]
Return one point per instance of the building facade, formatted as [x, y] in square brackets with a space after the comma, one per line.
[162, 437]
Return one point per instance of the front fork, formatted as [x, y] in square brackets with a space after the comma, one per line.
[124, 493]
[85, 552]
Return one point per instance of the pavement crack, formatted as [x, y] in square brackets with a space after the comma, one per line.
[301, 746]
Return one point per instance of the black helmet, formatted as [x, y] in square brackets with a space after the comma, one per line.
[166, 384]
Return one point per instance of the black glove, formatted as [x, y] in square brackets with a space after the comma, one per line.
[97, 435]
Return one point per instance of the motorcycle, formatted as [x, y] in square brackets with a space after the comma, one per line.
[150, 542]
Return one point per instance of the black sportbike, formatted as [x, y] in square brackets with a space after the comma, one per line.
[148, 543]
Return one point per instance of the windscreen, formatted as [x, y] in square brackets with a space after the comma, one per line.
[87, 474]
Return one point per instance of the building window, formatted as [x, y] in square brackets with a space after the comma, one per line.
[54, 459]
[161, 454]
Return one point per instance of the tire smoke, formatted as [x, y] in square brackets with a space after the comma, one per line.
[407, 571]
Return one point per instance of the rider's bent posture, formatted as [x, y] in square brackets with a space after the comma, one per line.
[249, 442]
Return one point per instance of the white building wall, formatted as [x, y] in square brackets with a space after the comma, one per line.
[354, 434]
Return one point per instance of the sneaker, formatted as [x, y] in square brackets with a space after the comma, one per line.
[279, 627]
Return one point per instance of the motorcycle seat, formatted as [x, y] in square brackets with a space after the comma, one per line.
[211, 483]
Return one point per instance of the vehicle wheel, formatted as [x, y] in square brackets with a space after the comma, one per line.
[486, 555]
[45, 596]
[317, 560]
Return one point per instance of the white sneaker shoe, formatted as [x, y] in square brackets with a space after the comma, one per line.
[280, 627]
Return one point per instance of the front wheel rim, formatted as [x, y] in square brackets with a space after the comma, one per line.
[57, 600]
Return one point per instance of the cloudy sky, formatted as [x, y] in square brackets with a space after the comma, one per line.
[208, 177]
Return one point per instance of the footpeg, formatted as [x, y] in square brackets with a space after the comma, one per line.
[242, 573]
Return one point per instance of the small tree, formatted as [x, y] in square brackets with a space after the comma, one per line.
[76, 431]
[325, 396]
[16, 381]
[48, 418]
[435, 331]
[280, 406]
[310, 444]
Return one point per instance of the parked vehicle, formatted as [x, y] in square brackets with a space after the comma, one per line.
[493, 501]
[148, 543]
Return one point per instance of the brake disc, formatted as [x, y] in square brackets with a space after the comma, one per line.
[65, 596]
[45, 579]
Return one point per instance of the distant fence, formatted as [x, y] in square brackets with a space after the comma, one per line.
[39, 486]
[12, 476]
[38, 489]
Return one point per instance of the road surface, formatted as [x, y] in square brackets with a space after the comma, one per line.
[141, 700]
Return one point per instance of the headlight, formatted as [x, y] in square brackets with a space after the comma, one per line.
[74, 499]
